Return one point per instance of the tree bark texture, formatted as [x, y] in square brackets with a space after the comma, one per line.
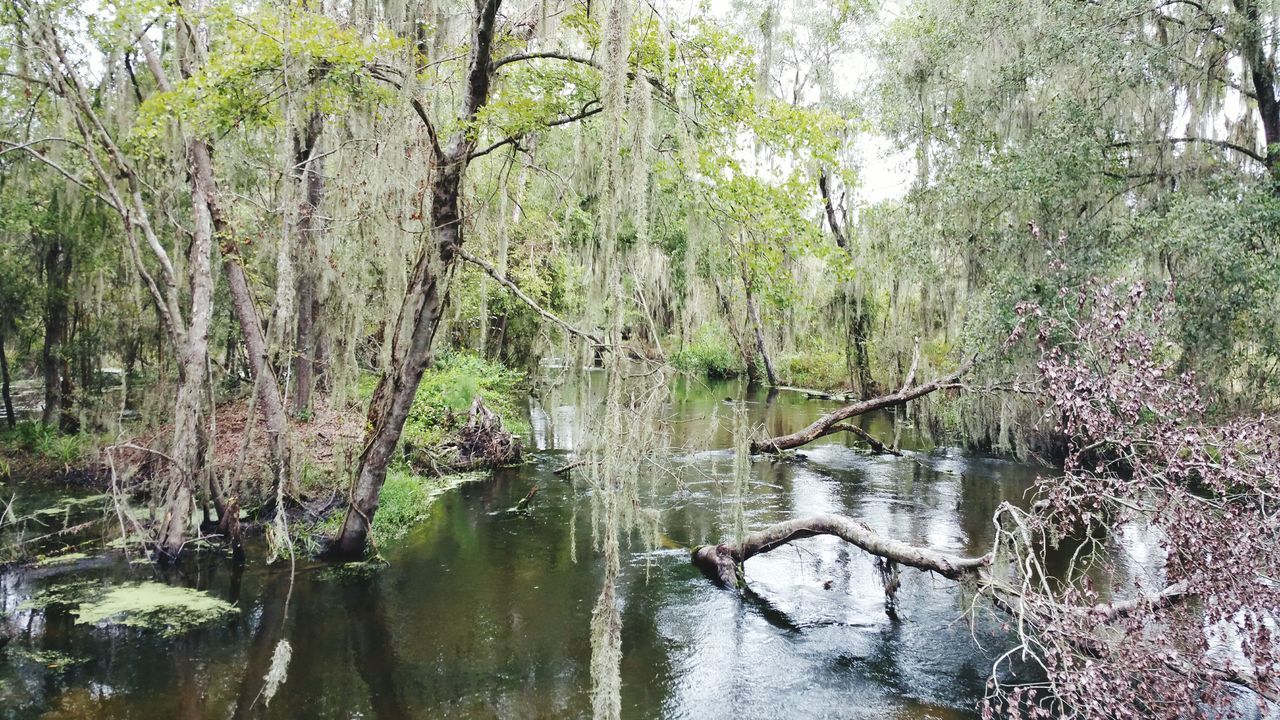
[57, 273]
[424, 300]
[309, 173]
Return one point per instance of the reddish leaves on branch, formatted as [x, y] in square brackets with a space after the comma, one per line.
[1143, 454]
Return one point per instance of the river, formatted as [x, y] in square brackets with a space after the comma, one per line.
[484, 613]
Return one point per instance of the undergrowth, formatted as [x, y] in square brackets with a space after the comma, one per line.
[450, 385]
[710, 354]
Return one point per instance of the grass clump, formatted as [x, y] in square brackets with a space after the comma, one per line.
[711, 354]
[35, 440]
[405, 501]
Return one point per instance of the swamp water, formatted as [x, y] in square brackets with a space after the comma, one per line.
[484, 613]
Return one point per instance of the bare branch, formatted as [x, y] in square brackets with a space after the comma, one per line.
[723, 563]
[515, 290]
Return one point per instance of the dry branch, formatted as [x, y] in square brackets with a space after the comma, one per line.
[723, 563]
[506, 282]
[827, 424]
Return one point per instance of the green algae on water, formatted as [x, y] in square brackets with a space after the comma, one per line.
[64, 559]
[62, 595]
[154, 606]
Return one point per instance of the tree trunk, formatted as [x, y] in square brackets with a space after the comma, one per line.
[57, 272]
[193, 360]
[424, 300]
[824, 189]
[4, 385]
[748, 358]
[266, 385]
[760, 346]
[307, 340]
[1262, 74]
[859, 325]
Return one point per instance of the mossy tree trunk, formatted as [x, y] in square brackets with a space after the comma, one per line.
[57, 273]
[308, 342]
[425, 298]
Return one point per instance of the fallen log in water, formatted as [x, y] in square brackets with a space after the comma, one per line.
[832, 422]
[723, 563]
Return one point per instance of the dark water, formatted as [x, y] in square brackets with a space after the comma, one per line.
[487, 614]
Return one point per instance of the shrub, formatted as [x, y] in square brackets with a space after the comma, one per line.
[445, 395]
[710, 353]
[817, 370]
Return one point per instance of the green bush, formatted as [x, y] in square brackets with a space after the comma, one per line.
[710, 353]
[816, 370]
[447, 390]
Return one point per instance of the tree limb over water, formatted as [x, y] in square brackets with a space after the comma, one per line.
[830, 423]
[506, 282]
[723, 562]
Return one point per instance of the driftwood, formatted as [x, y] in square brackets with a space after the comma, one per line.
[484, 438]
[832, 422]
[723, 563]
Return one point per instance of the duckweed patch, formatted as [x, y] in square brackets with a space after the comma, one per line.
[353, 573]
[62, 595]
[64, 559]
[154, 606]
[68, 505]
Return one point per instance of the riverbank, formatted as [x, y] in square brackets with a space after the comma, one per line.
[325, 445]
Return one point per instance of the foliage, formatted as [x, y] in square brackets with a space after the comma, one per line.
[819, 370]
[447, 390]
[1142, 456]
[711, 354]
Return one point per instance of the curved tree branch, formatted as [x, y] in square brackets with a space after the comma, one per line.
[723, 563]
[585, 113]
[515, 290]
[822, 426]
